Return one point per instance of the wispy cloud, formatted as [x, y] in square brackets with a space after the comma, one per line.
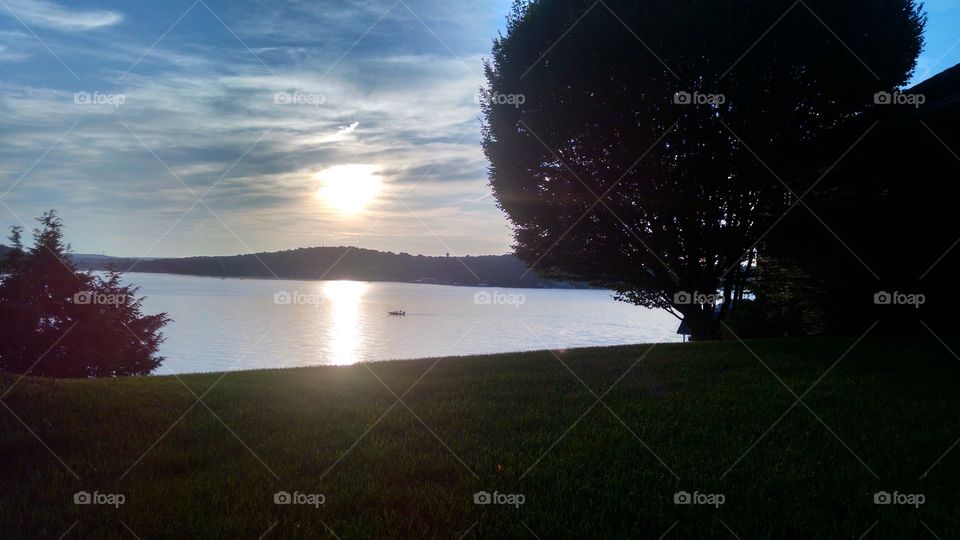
[50, 15]
[9, 55]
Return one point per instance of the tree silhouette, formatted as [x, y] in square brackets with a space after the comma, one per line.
[645, 146]
[60, 322]
[890, 200]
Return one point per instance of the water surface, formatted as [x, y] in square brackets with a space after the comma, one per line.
[231, 324]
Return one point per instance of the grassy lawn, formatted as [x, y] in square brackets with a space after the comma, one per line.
[682, 417]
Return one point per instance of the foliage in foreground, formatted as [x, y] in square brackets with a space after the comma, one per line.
[646, 147]
[60, 322]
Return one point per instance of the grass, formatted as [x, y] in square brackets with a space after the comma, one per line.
[695, 417]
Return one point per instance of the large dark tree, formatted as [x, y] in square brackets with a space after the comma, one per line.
[598, 110]
[60, 322]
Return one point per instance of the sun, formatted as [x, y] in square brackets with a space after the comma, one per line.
[348, 189]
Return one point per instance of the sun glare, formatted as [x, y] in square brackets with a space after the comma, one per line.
[348, 188]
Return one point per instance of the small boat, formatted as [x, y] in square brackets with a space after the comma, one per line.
[397, 313]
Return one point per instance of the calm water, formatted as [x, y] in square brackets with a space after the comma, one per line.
[229, 324]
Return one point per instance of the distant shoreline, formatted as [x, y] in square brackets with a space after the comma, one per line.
[344, 262]
[264, 278]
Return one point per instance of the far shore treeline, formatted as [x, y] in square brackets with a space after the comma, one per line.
[339, 263]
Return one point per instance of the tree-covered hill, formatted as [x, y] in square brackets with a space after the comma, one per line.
[339, 263]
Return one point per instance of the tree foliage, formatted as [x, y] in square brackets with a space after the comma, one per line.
[686, 188]
[60, 322]
[883, 217]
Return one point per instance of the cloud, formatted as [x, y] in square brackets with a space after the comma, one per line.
[209, 111]
[339, 136]
[8, 55]
[50, 15]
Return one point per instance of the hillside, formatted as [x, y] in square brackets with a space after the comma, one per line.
[338, 263]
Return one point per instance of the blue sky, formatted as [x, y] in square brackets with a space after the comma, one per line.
[379, 83]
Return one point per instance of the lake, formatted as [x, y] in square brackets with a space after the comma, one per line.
[232, 324]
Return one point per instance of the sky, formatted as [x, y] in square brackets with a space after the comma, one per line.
[189, 127]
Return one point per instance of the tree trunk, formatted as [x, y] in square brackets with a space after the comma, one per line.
[703, 327]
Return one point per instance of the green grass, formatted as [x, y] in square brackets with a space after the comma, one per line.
[698, 407]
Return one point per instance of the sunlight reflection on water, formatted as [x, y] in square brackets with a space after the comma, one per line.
[344, 331]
